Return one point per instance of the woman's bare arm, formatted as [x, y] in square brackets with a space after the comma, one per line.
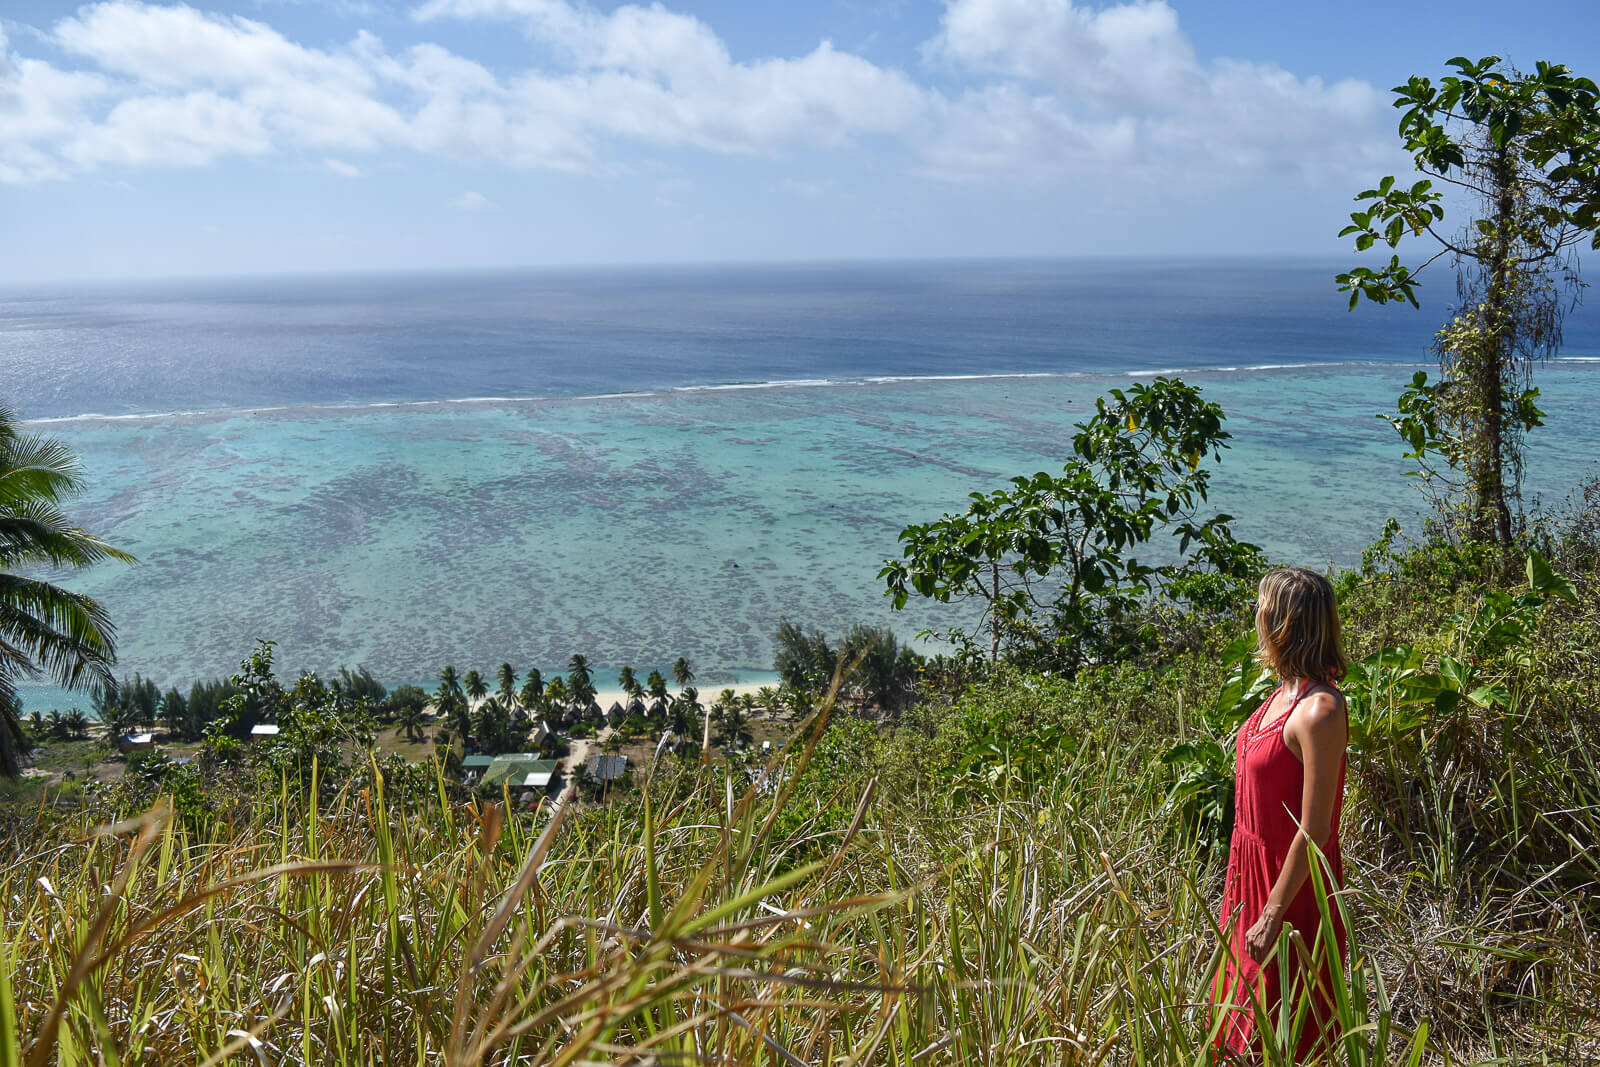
[1317, 729]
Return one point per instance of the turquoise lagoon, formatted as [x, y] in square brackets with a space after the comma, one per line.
[639, 527]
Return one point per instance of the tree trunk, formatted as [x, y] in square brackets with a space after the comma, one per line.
[1490, 508]
[994, 612]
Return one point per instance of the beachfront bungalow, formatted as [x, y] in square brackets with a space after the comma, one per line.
[543, 733]
[658, 710]
[593, 714]
[604, 769]
[615, 713]
[137, 743]
[637, 708]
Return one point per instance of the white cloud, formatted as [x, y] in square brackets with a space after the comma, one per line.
[655, 75]
[471, 201]
[341, 168]
[187, 130]
[1121, 86]
[1053, 88]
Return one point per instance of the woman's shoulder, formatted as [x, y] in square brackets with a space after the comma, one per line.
[1323, 704]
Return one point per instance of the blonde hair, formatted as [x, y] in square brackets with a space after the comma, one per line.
[1297, 626]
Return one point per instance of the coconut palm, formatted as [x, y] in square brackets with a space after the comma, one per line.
[733, 728]
[449, 684]
[44, 629]
[508, 683]
[683, 717]
[657, 686]
[475, 686]
[76, 723]
[532, 689]
[682, 673]
[556, 691]
[626, 681]
[411, 722]
[580, 680]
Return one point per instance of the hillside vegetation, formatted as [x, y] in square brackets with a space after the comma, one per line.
[1019, 869]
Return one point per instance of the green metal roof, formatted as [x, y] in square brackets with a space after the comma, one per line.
[504, 767]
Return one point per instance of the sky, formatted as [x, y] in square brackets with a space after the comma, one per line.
[143, 140]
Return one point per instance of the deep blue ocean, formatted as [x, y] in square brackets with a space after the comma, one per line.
[636, 464]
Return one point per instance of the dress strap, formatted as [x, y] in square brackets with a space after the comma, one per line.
[1299, 695]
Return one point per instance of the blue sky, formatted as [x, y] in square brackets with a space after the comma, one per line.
[144, 140]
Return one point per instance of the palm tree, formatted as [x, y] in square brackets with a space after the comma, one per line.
[734, 728]
[76, 723]
[44, 629]
[580, 681]
[626, 681]
[556, 691]
[683, 717]
[657, 686]
[532, 689]
[475, 686]
[411, 722]
[449, 684]
[508, 683]
[682, 673]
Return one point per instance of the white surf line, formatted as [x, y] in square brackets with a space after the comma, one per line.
[786, 383]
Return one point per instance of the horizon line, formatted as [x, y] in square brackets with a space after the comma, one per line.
[617, 266]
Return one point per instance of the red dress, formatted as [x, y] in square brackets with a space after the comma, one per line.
[1269, 779]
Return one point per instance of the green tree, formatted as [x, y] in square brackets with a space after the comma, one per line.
[684, 714]
[316, 728]
[733, 727]
[806, 663]
[627, 682]
[580, 680]
[1525, 151]
[656, 685]
[175, 713]
[450, 702]
[508, 683]
[45, 629]
[682, 672]
[76, 723]
[359, 687]
[409, 718]
[449, 683]
[884, 671]
[1050, 558]
[497, 727]
[475, 686]
[532, 689]
[405, 704]
[205, 704]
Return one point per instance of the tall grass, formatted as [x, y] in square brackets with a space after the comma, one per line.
[875, 899]
[1052, 927]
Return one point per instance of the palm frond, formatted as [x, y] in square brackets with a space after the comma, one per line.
[37, 532]
[66, 635]
[36, 467]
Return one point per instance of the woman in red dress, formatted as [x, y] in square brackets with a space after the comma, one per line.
[1289, 787]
